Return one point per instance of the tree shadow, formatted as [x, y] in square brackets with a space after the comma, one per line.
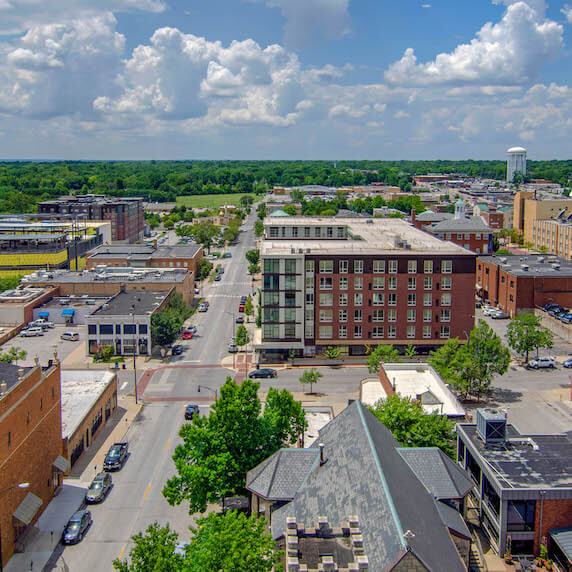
[502, 395]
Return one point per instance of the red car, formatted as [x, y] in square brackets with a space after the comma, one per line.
[187, 335]
[241, 308]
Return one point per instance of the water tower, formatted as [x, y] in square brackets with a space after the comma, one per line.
[516, 161]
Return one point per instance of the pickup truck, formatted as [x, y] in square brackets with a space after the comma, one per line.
[116, 456]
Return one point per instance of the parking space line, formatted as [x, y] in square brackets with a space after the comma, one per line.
[147, 490]
[167, 443]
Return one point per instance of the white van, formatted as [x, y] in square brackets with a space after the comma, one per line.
[31, 332]
[70, 336]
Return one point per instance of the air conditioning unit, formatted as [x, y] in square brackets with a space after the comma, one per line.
[491, 425]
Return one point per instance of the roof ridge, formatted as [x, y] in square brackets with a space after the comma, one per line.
[444, 458]
[275, 468]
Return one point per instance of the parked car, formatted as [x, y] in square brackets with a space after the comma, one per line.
[218, 277]
[241, 308]
[567, 362]
[203, 308]
[220, 270]
[232, 348]
[240, 319]
[548, 307]
[31, 332]
[99, 488]
[541, 362]
[566, 318]
[197, 291]
[191, 410]
[227, 255]
[243, 299]
[116, 456]
[191, 328]
[187, 335]
[488, 310]
[70, 336]
[556, 310]
[177, 350]
[76, 527]
[500, 316]
[265, 372]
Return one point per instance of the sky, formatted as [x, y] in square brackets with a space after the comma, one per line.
[285, 79]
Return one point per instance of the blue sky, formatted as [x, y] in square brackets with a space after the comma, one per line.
[284, 79]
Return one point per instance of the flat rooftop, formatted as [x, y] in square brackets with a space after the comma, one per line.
[142, 251]
[523, 461]
[368, 236]
[538, 265]
[159, 275]
[132, 301]
[80, 391]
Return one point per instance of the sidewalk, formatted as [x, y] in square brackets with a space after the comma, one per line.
[42, 539]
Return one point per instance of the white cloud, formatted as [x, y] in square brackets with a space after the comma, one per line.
[567, 11]
[512, 51]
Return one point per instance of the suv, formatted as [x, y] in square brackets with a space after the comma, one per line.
[70, 336]
[99, 488]
[203, 307]
[31, 332]
[541, 362]
[76, 527]
[115, 457]
[191, 410]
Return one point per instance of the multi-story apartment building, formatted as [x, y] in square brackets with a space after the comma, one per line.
[125, 214]
[357, 282]
[553, 236]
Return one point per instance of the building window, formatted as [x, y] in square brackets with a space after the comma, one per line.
[290, 282]
[392, 315]
[326, 266]
[378, 299]
[460, 236]
[378, 315]
[512, 283]
[28, 418]
[92, 329]
[326, 299]
[427, 315]
[310, 266]
[358, 283]
[393, 266]
[326, 316]
[295, 231]
[290, 299]
[428, 266]
[445, 332]
[520, 516]
[392, 283]
[343, 282]
[358, 266]
[290, 314]
[357, 332]
[271, 298]
[378, 282]
[379, 266]
[271, 315]
[358, 299]
[273, 232]
[340, 232]
[445, 315]
[502, 279]
[343, 266]
[129, 329]
[411, 332]
[378, 332]
[412, 267]
[411, 299]
[343, 315]
[446, 283]
[343, 332]
[392, 299]
[289, 331]
[427, 299]
[306, 232]
[445, 299]
[9, 438]
[290, 266]
[325, 332]
[326, 283]
[411, 283]
[446, 266]
[271, 282]
[357, 315]
[391, 332]
[343, 300]
[426, 332]
[428, 283]
[318, 232]
[478, 236]
[329, 232]
[106, 329]
[411, 315]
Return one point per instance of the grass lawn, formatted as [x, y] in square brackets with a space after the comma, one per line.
[210, 201]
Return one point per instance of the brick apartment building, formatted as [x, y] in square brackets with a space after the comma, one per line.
[125, 214]
[357, 282]
[521, 283]
[30, 447]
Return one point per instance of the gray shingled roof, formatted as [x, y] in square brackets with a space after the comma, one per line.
[365, 476]
[452, 519]
[430, 216]
[280, 476]
[475, 223]
[438, 473]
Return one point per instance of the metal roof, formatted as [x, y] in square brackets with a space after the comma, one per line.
[563, 537]
[28, 508]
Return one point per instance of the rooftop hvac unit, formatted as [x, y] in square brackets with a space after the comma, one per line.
[503, 259]
[525, 267]
[541, 259]
[491, 425]
[556, 266]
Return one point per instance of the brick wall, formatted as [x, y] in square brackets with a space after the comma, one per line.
[555, 514]
[30, 441]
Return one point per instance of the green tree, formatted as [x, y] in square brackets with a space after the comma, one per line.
[310, 376]
[246, 200]
[205, 268]
[205, 233]
[165, 327]
[14, 354]
[442, 358]
[525, 334]
[249, 307]
[290, 210]
[9, 282]
[411, 426]
[253, 269]
[410, 352]
[285, 416]
[382, 354]
[242, 337]
[332, 352]
[258, 228]
[253, 256]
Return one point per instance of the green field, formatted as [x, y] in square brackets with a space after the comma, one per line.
[210, 201]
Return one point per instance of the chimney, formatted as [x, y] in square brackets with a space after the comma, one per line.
[322, 460]
[3, 388]
[155, 243]
[413, 216]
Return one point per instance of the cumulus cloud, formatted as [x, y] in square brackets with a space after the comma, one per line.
[567, 11]
[512, 51]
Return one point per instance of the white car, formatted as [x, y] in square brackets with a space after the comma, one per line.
[541, 362]
[489, 310]
[31, 332]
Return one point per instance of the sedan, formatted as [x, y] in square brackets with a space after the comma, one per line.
[241, 308]
[500, 316]
[264, 373]
[217, 277]
[76, 527]
[565, 318]
[191, 410]
[240, 319]
[177, 350]
[489, 310]
[187, 335]
[567, 362]
[192, 329]
[99, 488]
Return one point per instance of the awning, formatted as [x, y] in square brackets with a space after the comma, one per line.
[43, 314]
[61, 464]
[563, 537]
[28, 508]
[68, 312]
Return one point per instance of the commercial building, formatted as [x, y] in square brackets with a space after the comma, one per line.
[125, 214]
[553, 236]
[30, 447]
[124, 322]
[357, 282]
[146, 256]
[17, 306]
[521, 283]
[515, 163]
[523, 483]
[495, 216]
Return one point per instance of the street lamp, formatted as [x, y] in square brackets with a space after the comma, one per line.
[132, 314]
[215, 391]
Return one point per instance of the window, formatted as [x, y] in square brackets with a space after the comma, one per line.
[358, 283]
[273, 232]
[326, 266]
[290, 314]
[290, 266]
[378, 315]
[142, 328]
[411, 299]
[343, 282]
[428, 266]
[378, 332]
[343, 299]
[326, 299]
[357, 331]
[392, 283]
[290, 282]
[393, 266]
[318, 232]
[427, 300]
[343, 315]
[445, 299]
[270, 298]
[446, 283]
[357, 315]
[392, 315]
[306, 232]
[427, 316]
[290, 299]
[310, 266]
[343, 332]
[329, 232]
[428, 283]
[459, 236]
[392, 299]
[326, 316]
[289, 331]
[445, 332]
[343, 266]
[412, 267]
[378, 299]
[378, 282]
[426, 332]
[391, 332]
[446, 266]
[379, 266]
[411, 332]
[340, 232]
[325, 332]
[92, 329]
[106, 329]
[445, 315]
[520, 515]
[28, 418]
[326, 283]
[478, 236]
[271, 282]
[295, 231]
[411, 283]
[358, 299]
[9, 438]
[411, 315]
[271, 265]
[512, 283]
[358, 266]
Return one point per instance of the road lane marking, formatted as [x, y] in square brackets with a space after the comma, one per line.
[182, 408]
[167, 443]
[147, 490]
[123, 385]
[121, 553]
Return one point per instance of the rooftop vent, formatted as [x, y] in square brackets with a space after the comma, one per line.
[556, 266]
[491, 425]
[525, 267]
[503, 259]
[541, 259]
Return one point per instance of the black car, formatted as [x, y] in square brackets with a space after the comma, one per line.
[240, 319]
[115, 457]
[218, 277]
[76, 527]
[99, 488]
[243, 299]
[264, 372]
[177, 350]
[191, 410]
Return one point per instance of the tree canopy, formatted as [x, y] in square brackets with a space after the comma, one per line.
[525, 334]
[382, 354]
[310, 376]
